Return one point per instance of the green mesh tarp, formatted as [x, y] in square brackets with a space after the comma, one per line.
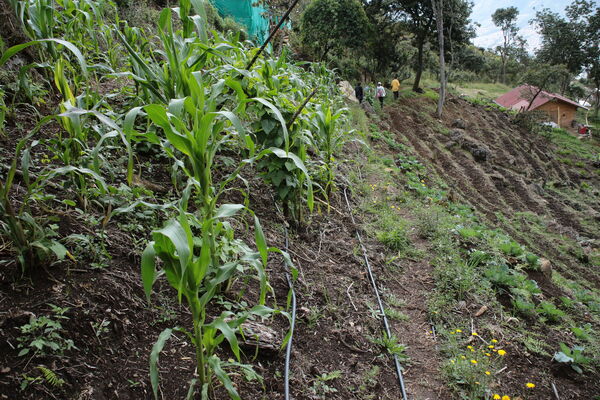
[243, 12]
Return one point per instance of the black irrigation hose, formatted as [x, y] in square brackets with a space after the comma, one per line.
[381, 308]
[288, 349]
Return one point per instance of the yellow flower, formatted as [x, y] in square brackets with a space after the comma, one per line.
[494, 341]
[458, 331]
[488, 373]
[452, 361]
[501, 352]
[530, 385]
[469, 347]
[473, 361]
[496, 397]
[474, 334]
[463, 357]
[488, 354]
[505, 397]
[490, 347]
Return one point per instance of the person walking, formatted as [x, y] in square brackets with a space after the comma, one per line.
[358, 92]
[380, 93]
[395, 88]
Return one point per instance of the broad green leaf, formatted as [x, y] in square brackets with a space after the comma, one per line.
[15, 49]
[228, 210]
[278, 115]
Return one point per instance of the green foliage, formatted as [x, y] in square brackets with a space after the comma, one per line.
[572, 356]
[393, 347]
[43, 335]
[33, 239]
[321, 388]
[549, 311]
[333, 26]
[511, 249]
[396, 239]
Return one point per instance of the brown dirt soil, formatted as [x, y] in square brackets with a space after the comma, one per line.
[332, 333]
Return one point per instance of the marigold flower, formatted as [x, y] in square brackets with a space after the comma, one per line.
[501, 352]
[530, 385]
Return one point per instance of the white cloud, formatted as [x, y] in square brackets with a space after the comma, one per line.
[488, 35]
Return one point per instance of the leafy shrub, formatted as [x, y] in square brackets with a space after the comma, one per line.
[395, 239]
[511, 249]
[572, 356]
[549, 311]
[43, 334]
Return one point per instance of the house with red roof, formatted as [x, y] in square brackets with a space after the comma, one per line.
[560, 109]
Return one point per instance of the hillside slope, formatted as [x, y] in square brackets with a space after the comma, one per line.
[527, 184]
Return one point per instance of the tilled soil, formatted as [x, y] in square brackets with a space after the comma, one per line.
[511, 179]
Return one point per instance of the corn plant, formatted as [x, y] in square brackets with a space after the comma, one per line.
[190, 246]
[32, 241]
[329, 139]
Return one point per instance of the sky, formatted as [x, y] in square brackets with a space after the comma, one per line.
[488, 35]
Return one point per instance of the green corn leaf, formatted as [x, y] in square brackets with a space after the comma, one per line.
[205, 251]
[229, 334]
[175, 233]
[148, 269]
[228, 210]
[202, 24]
[215, 364]
[156, 349]
[192, 389]
[72, 48]
[84, 171]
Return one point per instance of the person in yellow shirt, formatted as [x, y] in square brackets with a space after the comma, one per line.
[395, 88]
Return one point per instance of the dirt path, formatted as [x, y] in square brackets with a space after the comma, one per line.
[411, 286]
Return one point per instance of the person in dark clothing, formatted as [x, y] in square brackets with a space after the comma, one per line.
[358, 92]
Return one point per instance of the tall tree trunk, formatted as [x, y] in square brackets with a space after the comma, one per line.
[438, 9]
[419, 71]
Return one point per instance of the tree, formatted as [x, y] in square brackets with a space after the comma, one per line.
[543, 77]
[505, 19]
[572, 41]
[438, 9]
[419, 19]
[333, 26]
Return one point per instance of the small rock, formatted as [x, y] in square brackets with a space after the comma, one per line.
[546, 267]
[459, 123]
[480, 153]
